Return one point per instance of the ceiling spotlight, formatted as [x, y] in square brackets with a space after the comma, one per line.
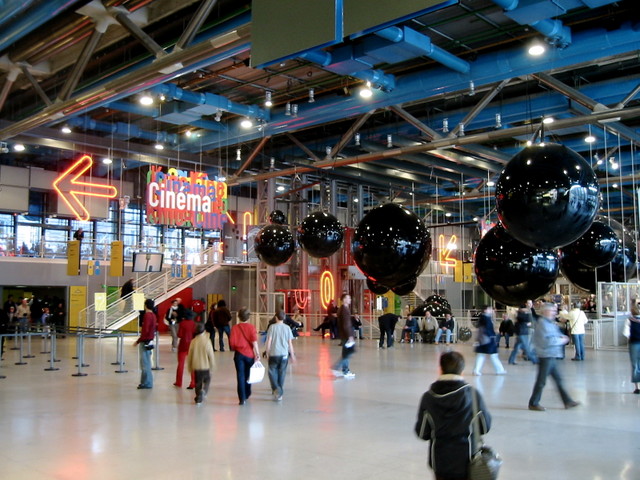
[287, 109]
[448, 214]
[218, 116]
[107, 161]
[536, 49]
[268, 102]
[529, 143]
[162, 97]
[238, 154]
[294, 110]
[389, 141]
[222, 178]
[159, 146]
[355, 200]
[590, 139]
[246, 123]
[491, 183]
[312, 95]
[366, 92]
[18, 147]
[280, 188]
[66, 129]
[614, 164]
[327, 150]
[614, 185]
[498, 120]
[356, 138]
[146, 99]
[188, 133]
[548, 120]
[472, 88]
[445, 125]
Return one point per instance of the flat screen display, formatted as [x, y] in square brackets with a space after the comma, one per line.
[147, 262]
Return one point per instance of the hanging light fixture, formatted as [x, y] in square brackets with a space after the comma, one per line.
[294, 110]
[159, 146]
[287, 109]
[366, 92]
[146, 99]
[590, 139]
[472, 88]
[389, 140]
[19, 147]
[238, 154]
[268, 102]
[312, 95]
[66, 129]
[536, 48]
[498, 120]
[445, 125]
[246, 123]
[356, 137]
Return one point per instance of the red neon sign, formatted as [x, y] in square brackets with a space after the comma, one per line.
[327, 287]
[75, 171]
[446, 249]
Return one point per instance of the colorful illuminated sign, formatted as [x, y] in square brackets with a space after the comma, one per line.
[446, 249]
[327, 288]
[70, 197]
[185, 198]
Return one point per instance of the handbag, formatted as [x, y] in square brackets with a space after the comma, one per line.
[485, 463]
[256, 372]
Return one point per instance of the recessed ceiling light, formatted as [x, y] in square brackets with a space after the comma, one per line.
[18, 147]
[246, 123]
[366, 92]
[159, 146]
[268, 102]
[65, 129]
[490, 183]
[280, 188]
[107, 161]
[548, 120]
[589, 139]
[146, 99]
[536, 49]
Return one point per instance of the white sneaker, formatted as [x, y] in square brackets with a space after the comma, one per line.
[337, 373]
[349, 374]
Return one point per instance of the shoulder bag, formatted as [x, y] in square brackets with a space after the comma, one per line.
[485, 463]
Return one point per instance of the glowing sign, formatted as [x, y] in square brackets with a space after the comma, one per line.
[185, 198]
[326, 288]
[246, 221]
[75, 171]
[301, 296]
[446, 249]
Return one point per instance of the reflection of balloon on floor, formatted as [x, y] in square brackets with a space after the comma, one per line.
[405, 288]
[277, 217]
[391, 245]
[274, 244]
[512, 272]
[320, 234]
[547, 196]
[376, 287]
[597, 247]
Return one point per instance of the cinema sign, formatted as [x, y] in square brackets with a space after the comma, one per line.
[185, 199]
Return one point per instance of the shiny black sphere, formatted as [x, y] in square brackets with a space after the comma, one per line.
[597, 247]
[376, 287]
[436, 309]
[578, 274]
[512, 272]
[391, 245]
[277, 217]
[438, 299]
[274, 244]
[320, 234]
[547, 197]
[405, 288]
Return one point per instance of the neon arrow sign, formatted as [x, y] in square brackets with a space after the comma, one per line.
[70, 197]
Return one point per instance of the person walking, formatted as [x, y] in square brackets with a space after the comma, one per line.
[145, 343]
[221, 320]
[505, 330]
[172, 320]
[631, 330]
[548, 342]
[576, 320]
[446, 418]
[487, 345]
[278, 349]
[524, 321]
[186, 332]
[345, 330]
[200, 362]
[244, 342]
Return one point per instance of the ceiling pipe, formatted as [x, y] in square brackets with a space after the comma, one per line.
[13, 8]
[556, 33]
[397, 34]
[194, 25]
[36, 86]
[122, 16]
[8, 83]
[125, 130]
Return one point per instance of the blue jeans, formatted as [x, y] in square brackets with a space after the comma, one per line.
[578, 342]
[342, 365]
[226, 329]
[634, 356]
[439, 334]
[522, 342]
[277, 373]
[243, 365]
[546, 367]
[146, 375]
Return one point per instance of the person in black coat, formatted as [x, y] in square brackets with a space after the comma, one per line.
[486, 343]
[445, 417]
[387, 324]
[506, 329]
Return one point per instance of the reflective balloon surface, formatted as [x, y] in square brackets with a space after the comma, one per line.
[274, 244]
[376, 287]
[277, 217]
[320, 234]
[547, 196]
[595, 248]
[577, 273]
[438, 299]
[405, 289]
[512, 272]
[391, 245]
[437, 310]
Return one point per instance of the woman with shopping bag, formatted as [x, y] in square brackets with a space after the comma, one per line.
[244, 342]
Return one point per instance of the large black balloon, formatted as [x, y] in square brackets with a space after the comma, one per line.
[577, 273]
[438, 299]
[437, 310]
[274, 244]
[277, 217]
[597, 247]
[547, 196]
[512, 272]
[320, 234]
[405, 289]
[376, 287]
[391, 245]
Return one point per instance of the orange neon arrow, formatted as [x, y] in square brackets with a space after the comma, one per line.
[75, 171]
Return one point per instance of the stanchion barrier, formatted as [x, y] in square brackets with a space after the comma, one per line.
[52, 353]
[15, 339]
[45, 339]
[80, 355]
[120, 353]
[20, 345]
[29, 354]
[2, 337]
[156, 354]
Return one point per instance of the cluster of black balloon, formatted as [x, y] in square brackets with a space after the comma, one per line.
[320, 235]
[391, 246]
[437, 305]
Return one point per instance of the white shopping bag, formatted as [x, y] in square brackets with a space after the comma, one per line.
[256, 373]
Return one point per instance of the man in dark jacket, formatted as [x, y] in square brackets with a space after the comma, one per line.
[387, 324]
[345, 330]
[221, 320]
[445, 417]
[524, 320]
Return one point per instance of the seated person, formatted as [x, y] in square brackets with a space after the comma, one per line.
[427, 327]
[445, 326]
[409, 330]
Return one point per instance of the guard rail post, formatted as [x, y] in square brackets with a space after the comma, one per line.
[156, 354]
[80, 355]
[52, 352]
[29, 355]
[21, 357]
[120, 353]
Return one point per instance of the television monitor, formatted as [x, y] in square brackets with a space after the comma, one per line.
[147, 262]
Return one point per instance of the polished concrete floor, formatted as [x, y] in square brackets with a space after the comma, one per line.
[57, 426]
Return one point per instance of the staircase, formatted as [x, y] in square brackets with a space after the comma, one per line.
[158, 286]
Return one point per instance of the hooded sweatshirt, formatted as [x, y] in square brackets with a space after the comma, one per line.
[445, 417]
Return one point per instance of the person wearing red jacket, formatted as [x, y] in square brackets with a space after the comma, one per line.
[145, 342]
[186, 331]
